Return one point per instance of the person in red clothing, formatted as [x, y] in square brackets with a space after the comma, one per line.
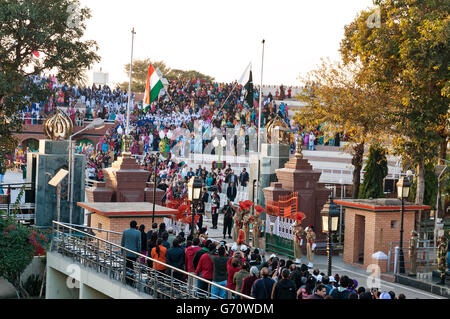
[247, 284]
[189, 255]
[205, 268]
[233, 266]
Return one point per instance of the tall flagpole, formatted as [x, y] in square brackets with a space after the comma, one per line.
[259, 125]
[260, 99]
[127, 145]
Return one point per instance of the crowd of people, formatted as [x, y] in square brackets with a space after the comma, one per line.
[239, 268]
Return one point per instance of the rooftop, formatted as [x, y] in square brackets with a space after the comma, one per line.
[126, 209]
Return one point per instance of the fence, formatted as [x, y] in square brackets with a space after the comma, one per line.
[140, 273]
[425, 257]
[24, 204]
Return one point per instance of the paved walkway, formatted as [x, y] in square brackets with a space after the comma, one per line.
[362, 276]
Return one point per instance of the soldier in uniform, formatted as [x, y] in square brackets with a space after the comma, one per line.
[310, 241]
[246, 221]
[237, 225]
[442, 258]
[413, 253]
[256, 229]
[298, 233]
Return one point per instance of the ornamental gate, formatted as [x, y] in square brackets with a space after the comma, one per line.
[279, 220]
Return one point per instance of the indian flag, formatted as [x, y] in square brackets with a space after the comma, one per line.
[153, 87]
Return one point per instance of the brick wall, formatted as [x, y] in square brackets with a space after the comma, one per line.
[378, 233]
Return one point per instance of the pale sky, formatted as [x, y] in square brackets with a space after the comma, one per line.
[220, 38]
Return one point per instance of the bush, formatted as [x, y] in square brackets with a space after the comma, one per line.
[18, 245]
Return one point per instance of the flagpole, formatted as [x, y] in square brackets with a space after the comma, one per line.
[259, 126]
[127, 130]
[260, 99]
[234, 87]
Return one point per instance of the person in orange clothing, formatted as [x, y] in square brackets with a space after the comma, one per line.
[159, 253]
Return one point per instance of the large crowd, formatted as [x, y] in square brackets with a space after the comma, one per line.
[239, 268]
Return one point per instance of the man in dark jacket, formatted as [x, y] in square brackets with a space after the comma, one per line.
[320, 292]
[175, 257]
[231, 192]
[262, 288]
[228, 214]
[284, 288]
[244, 178]
[220, 273]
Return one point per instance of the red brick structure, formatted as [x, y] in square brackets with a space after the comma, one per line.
[117, 216]
[372, 224]
[36, 132]
[299, 176]
[127, 180]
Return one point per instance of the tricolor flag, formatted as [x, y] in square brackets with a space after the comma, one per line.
[247, 80]
[153, 87]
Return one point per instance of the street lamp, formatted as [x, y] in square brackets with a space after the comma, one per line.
[330, 221]
[222, 144]
[97, 124]
[403, 187]
[194, 189]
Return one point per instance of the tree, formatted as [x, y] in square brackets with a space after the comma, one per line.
[406, 56]
[18, 245]
[38, 36]
[376, 170]
[337, 102]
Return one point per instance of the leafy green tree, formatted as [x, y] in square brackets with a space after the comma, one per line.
[376, 170]
[38, 36]
[406, 55]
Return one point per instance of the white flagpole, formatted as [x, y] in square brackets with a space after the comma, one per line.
[259, 127]
[127, 130]
[260, 99]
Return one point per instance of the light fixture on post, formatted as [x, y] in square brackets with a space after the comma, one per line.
[96, 124]
[194, 189]
[330, 223]
[403, 187]
[222, 144]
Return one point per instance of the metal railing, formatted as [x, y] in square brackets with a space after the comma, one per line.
[139, 272]
[425, 256]
[11, 198]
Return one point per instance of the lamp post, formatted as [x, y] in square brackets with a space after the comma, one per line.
[154, 188]
[403, 187]
[222, 144]
[97, 124]
[330, 221]
[194, 189]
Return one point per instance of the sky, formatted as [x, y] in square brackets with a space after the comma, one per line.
[220, 38]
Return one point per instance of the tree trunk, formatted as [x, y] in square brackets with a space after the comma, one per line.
[420, 191]
[443, 151]
[357, 162]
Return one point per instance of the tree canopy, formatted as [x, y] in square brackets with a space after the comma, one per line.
[406, 56]
[338, 102]
[37, 37]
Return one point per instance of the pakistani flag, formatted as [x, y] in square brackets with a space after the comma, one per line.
[247, 81]
[153, 87]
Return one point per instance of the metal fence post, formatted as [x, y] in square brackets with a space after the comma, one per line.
[396, 255]
[124, 266]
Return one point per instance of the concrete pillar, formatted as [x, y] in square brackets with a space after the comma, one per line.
[57, 288]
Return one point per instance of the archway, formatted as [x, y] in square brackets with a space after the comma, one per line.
[32, 144]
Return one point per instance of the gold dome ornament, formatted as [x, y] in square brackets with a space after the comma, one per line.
[277, 131]
[58, 126]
